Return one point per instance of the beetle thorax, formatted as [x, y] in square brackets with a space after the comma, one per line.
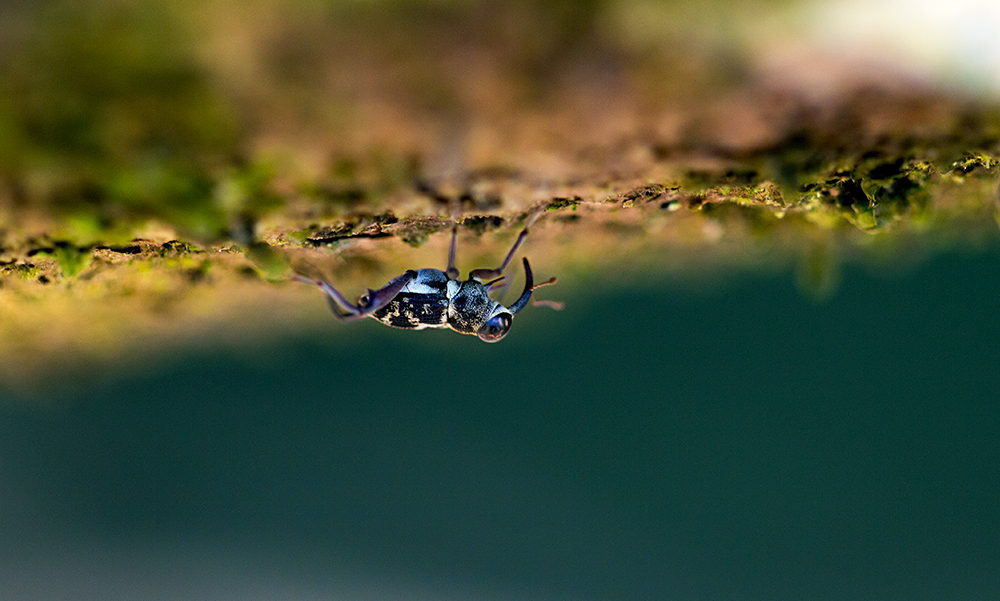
[470, 306]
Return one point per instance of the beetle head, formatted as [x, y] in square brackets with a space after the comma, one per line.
[472, 311]
[498, 323]
[496, 327]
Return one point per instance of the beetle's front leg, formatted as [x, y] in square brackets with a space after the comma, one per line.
[368, 304]
[489, 274]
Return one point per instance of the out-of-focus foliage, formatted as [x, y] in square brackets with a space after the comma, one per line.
[107, 111]
[198, 113]
[109, 82]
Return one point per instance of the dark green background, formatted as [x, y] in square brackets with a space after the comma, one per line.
[646, 443]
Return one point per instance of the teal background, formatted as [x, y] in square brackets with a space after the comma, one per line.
[646, 443]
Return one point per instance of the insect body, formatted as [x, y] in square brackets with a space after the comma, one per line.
[431, 298]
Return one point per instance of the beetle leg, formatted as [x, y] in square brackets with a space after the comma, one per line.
[452, 271]
[368, 304]
[493, 273]
[498, 284]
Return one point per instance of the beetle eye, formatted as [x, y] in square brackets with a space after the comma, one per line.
[494, 329]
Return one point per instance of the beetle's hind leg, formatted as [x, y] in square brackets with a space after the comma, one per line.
[488, 274]
[368, 304]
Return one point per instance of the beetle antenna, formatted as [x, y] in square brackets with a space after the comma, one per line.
[547, 282]
[528, 222]
[556, 305]
[528, 283]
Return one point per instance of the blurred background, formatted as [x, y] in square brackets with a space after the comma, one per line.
[733, 405]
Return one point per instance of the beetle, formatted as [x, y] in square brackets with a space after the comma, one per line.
[431, 298]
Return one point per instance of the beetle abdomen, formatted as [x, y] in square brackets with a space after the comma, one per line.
[414, 311]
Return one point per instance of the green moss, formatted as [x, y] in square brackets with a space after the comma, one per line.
[415, 238]
[417, 231]
[247, 190]
[974, 162]
[71, 259]
[272, 264]
[176, 248]
[182, 196]
[643, 195]
[300, 237]
[481, 224]
[24, 270]
[85, 229]
[557, 204]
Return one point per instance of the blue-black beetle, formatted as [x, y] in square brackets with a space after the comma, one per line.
[431, 298]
